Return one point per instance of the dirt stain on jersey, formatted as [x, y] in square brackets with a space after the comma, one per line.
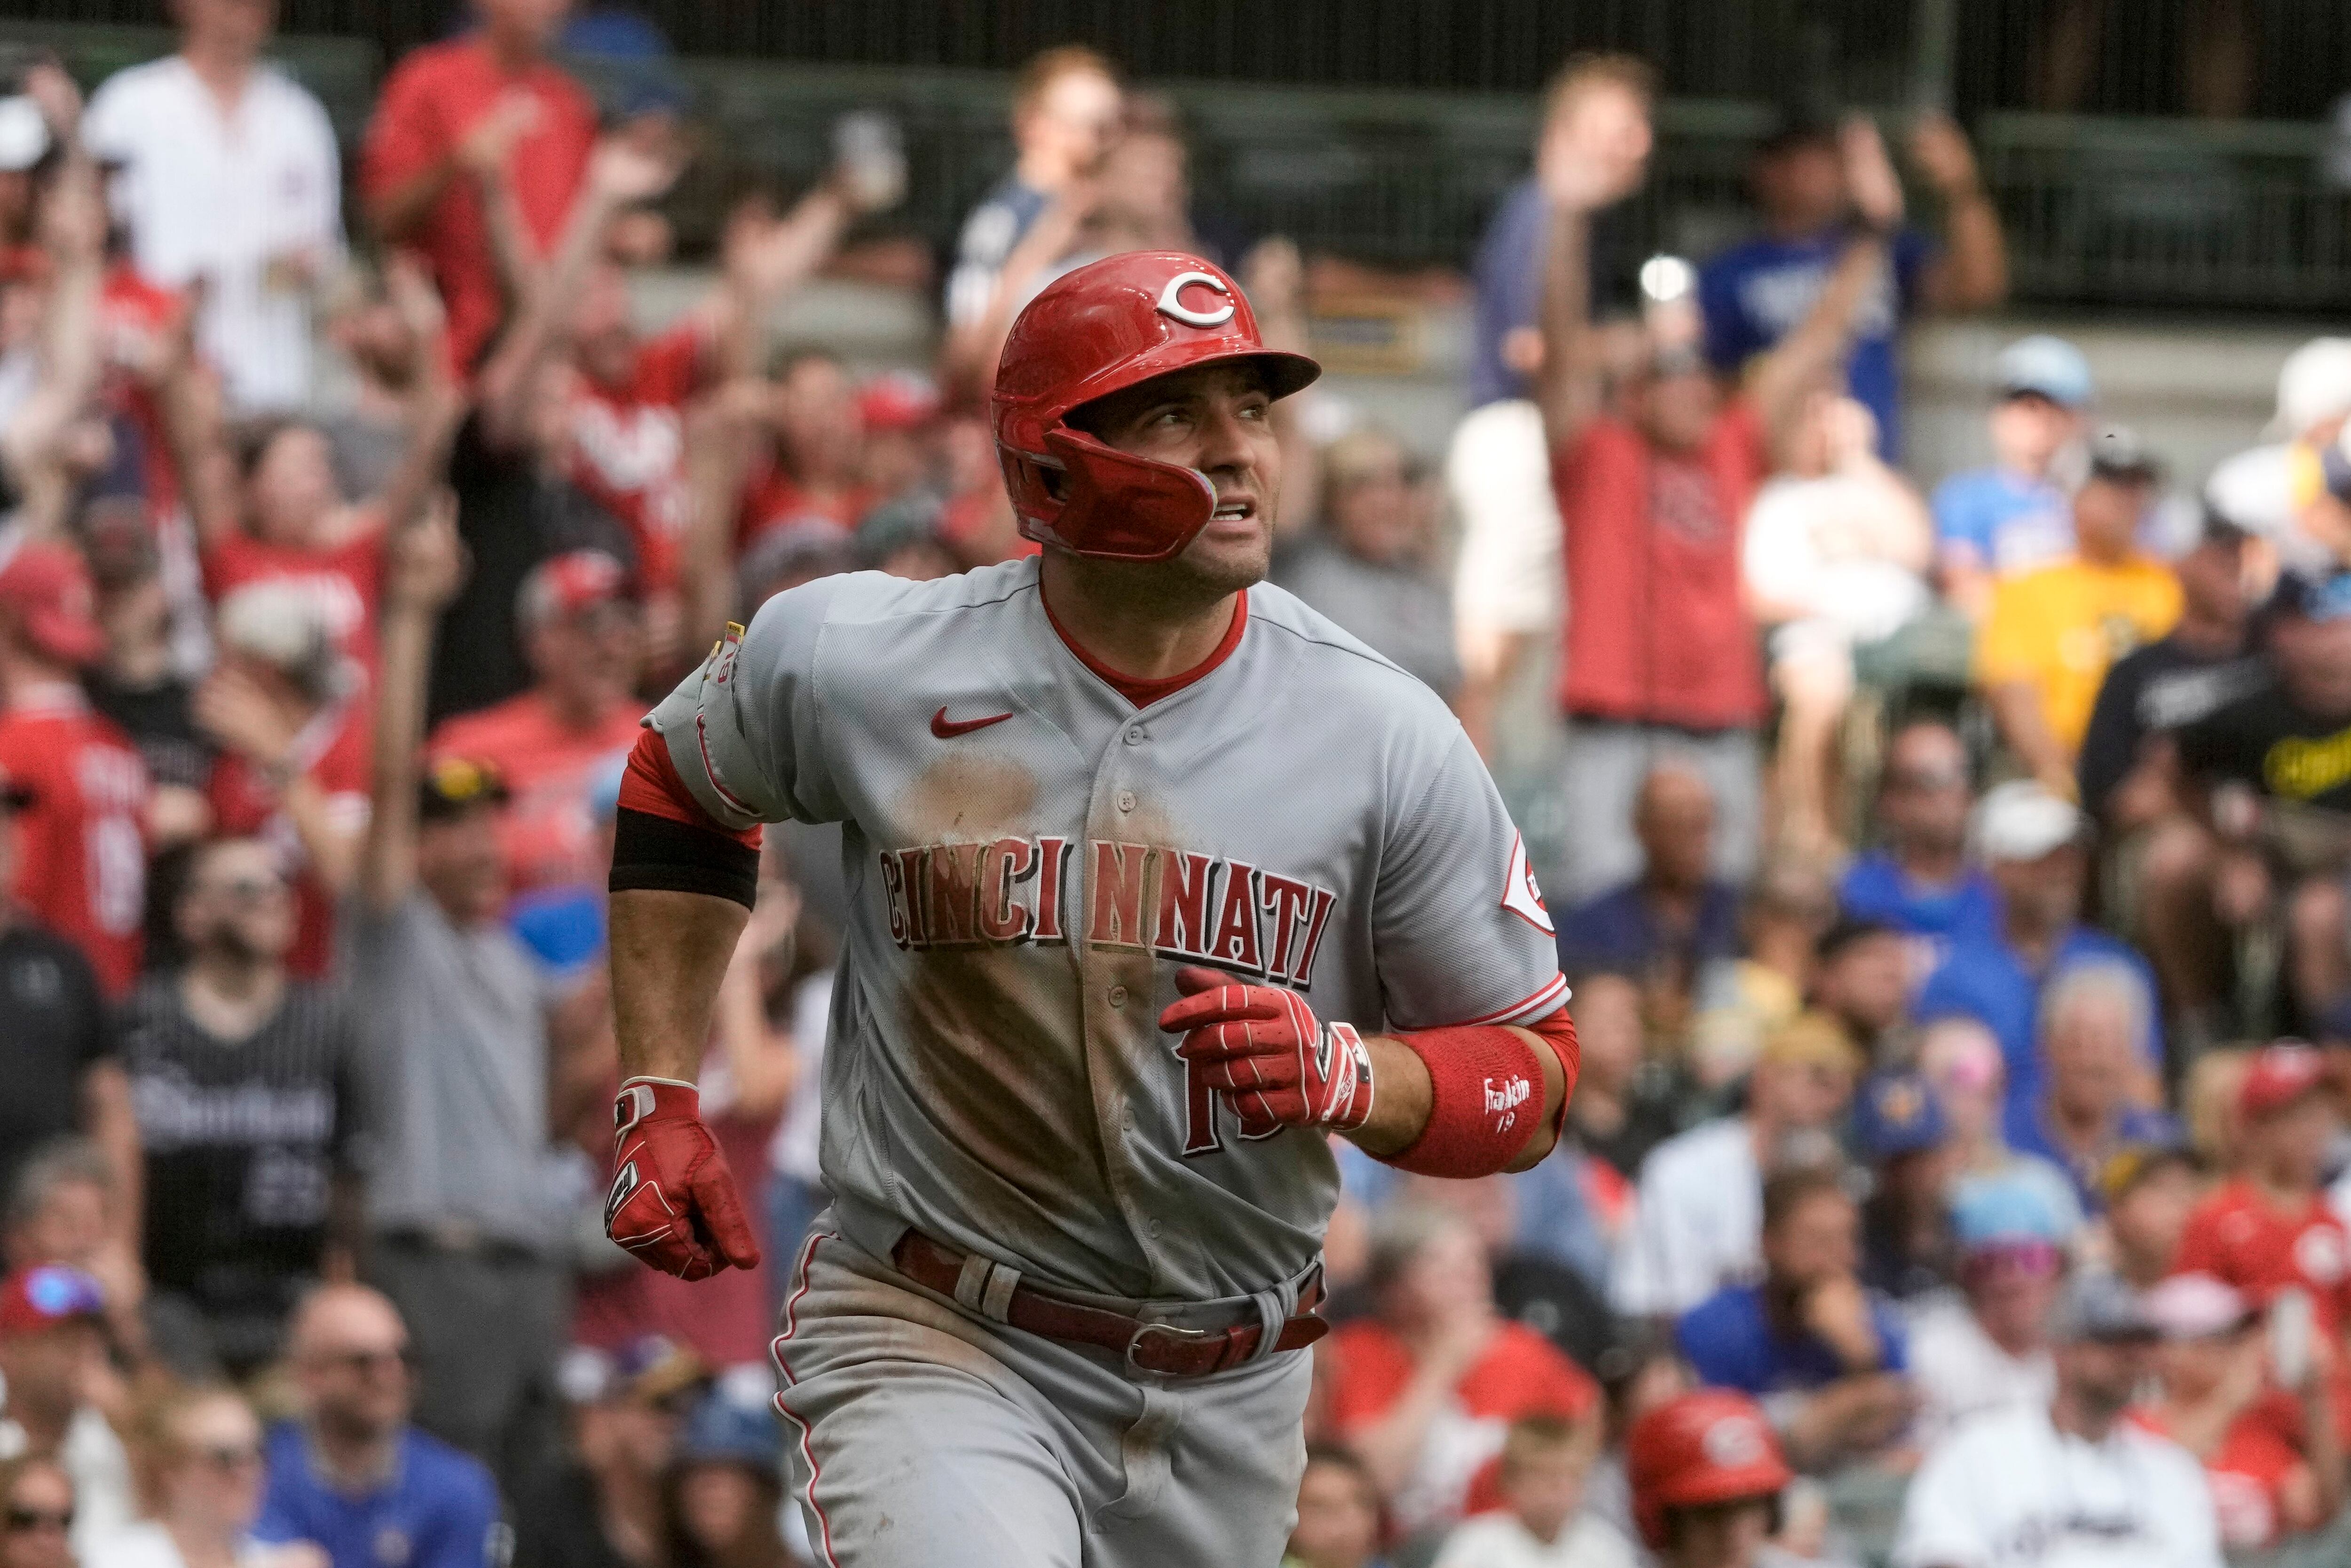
[967, 794]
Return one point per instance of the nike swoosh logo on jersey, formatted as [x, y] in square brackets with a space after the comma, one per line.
[947, 728]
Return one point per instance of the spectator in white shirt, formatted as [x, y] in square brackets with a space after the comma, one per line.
[2068, 1484]
[1542, 1522]
[1697, 1220]
[1988, 1350]
[227, 177]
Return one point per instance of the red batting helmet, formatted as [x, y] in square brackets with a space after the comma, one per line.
[1099, 329]
[1711, 1446]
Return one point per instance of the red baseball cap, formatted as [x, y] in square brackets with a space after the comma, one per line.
[897, 400]
[43, 1296]
[2280, 1076]
[46, 587]
[568, 583]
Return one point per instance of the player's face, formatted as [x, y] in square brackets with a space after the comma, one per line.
[1217, 420]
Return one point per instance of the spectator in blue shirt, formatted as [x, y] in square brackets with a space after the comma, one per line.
[2096, 1096]
[1920, 883]
[351, 1476]
[2030, 840]
[2012, 516]
[1823, 1354]
[1806, 178]
[1596, 110]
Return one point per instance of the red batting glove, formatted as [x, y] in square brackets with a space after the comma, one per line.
[674, 1202]
[1262, 1048]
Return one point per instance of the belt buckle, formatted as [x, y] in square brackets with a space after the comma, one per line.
[1143, 1331]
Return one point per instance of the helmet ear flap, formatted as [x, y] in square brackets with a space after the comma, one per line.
[1117, 505]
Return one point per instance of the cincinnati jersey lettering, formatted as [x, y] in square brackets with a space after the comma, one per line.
[1130, 897]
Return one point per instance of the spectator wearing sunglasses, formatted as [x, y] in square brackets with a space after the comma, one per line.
[37, 1515]
[52, 1352]
[1919, 880]
[350, 1473]
[199, 1453]
[247, 1083]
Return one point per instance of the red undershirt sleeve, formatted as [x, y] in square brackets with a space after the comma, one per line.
[663, 841]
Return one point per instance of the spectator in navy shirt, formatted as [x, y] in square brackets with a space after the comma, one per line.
[1805, 177]
[1669, 923]
[1823, 1354]
[1920, 882]
[2030, 839]
[1596, 110]
[351, 1476]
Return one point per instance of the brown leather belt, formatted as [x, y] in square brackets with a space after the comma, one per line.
[1162, 1348]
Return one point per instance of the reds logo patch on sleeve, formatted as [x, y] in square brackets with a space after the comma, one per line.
[1520, 896]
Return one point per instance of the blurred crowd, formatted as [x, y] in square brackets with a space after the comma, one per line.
[1952, 882]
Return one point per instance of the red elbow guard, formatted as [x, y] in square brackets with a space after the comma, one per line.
[1486, 1087]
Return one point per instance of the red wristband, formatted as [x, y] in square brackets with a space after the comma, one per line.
[1486, 1087]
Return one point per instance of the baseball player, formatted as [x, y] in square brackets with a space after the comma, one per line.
[1706, 1472]
[1158, 879]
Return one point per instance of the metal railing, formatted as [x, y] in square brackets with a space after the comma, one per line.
[2100, 212]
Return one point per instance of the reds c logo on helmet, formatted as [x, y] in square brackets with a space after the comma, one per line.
[1100, 330]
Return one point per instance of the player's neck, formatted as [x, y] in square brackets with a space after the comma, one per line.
[1147, 628]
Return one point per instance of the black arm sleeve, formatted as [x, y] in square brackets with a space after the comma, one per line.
[653, 853]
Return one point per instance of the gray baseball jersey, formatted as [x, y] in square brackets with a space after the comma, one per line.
[1029, 858]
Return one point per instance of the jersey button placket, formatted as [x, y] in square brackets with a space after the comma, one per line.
[1125, 801]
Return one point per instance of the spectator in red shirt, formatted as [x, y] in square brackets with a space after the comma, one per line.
[1426, 1389]
[293, 769]
[811, 469]
[1653, 478]
[581, 633]
[286, 519]
[490, 103]
[2269, 1227]
[624, 440]
[81, 852]
[2211, 1379]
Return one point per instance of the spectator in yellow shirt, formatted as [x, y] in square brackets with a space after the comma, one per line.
[2053, 632]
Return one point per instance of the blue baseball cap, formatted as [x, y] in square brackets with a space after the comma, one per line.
[1895, 1113]
[2000, 1211]
[2044, 366]
[732, 1425]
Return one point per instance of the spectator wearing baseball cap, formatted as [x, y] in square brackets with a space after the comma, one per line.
[2210, 1398]
[2149, 1190]
[601, 1507]
[53, 1345]
[2030, 840]
[1899, 1129]
[2069, 1476]
[2054, 632]
[581, 632]
[1986, 1348]
[80, 839]
[2128, 772]
[2269, 1226]
[2280, 489]
[464, 1233]
[720, 1495]
[2278, 744]
[2013, 515]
